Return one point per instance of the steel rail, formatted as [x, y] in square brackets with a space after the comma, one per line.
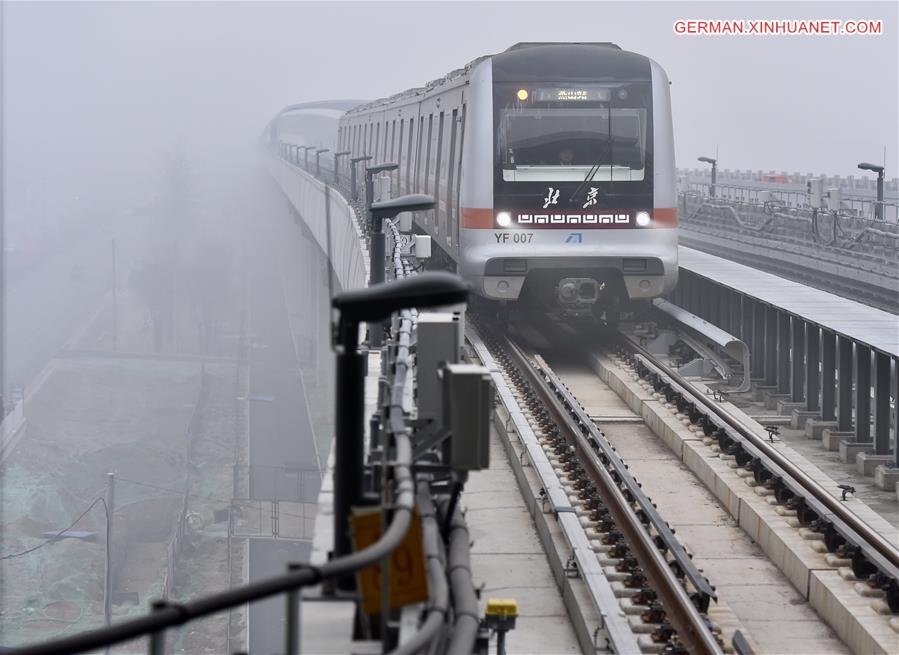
[692, 628]
[600, 443]
[874, 545]
[614, 624]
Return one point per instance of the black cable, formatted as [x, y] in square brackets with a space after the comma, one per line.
[60, 533]
[451, 509]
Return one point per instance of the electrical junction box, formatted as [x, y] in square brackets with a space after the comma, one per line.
[765, 197]
[404, 222]
[421, 246]
[816, 193]
[381, 188]
[438, 343]
[834, 199]
[467, 412]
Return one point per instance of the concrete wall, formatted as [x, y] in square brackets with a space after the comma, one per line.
[322, 207]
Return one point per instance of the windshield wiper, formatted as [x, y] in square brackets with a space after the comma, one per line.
[594, 169]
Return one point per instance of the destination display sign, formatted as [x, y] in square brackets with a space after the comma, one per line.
[572, 94]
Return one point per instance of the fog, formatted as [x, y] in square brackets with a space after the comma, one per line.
[148, 258]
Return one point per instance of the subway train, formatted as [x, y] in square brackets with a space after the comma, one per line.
[552, 165]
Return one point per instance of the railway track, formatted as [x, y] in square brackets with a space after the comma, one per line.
[872, 555]
[667, 591]
[658, 583]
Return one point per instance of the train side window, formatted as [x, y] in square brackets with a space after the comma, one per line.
[438, 161]
[440, 173]
[409, 153]
[451, 177]
[426, 160]
[455, 223]
[421, 129]
[399, 158]
[391, 127]
[377, 140]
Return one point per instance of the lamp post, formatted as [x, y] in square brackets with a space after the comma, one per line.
[337, 156]
[714, 163]
[378, 212]
[357, 306]
[874, 168]
[318, 153]
[353, 162]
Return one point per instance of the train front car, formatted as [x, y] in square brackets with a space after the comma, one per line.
[568, 181]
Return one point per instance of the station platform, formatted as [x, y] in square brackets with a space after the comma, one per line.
[858, 322]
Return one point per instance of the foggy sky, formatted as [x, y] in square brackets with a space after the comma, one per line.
[90, 88]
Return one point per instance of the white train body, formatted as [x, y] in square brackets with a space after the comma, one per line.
[551, 164]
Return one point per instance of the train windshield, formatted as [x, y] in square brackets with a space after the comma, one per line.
[567, 134]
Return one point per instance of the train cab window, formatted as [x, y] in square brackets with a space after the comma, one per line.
[562, 133]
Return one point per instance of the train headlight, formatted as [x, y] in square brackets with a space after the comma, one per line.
[504, 219]
[643, 219]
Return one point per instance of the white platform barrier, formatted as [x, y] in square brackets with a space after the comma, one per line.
[328, 216]
[10, 427]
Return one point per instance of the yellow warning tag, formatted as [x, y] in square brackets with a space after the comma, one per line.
[408, 581]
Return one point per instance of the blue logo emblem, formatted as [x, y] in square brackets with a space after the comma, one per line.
[575, 237]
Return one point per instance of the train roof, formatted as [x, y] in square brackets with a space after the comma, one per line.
[535, 60]
[582, 62]
[537, 44]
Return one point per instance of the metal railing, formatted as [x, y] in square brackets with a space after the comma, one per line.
[852, 206]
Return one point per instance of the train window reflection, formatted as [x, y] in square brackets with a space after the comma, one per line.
[558, 144]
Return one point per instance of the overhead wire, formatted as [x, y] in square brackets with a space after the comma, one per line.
[64, 530]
